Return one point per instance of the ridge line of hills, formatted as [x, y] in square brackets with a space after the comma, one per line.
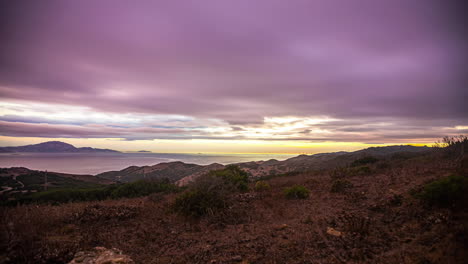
[183, 173]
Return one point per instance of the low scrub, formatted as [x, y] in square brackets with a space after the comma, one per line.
[296, 192]
[360, 170]
[143, 188]
[261, 186]
[127, 190]
[197, 203]
[340, 186]
[446, 192]
[353, 170]
[232, 175]
[211, 192]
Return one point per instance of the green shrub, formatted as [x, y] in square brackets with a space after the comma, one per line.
[296, 192]
[198, 202]
[261, 186]
[339, 186]
[211, 192]
[446, 192]
[233, 175]
[364, 161]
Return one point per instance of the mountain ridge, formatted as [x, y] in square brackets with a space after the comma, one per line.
[54, 147]
[182, 173]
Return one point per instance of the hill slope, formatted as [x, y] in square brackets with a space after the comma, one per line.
[173, 171]
[376, 218]
[20, 179]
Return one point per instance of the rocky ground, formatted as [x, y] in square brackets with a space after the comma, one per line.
[375, 219]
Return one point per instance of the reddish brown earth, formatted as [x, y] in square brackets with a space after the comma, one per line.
[375, 221]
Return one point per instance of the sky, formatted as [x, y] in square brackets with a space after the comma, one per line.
[244, 76]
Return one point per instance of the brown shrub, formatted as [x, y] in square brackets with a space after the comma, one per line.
[96, 212]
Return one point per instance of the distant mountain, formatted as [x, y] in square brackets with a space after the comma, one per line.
[183, 173]
[54, 147]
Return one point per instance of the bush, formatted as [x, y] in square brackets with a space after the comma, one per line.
[261, 186]
[446, 192]
[211, 192]
[198, 202]
[296, 192]
[339, 186]
[232, 175]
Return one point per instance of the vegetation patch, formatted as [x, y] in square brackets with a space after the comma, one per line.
[93, 213]
[446, 192]
[261, 186]
[197, 203]
[143, 188]
[296, 192]
[211, 193]
[340, 186]
[232, 175]
[364, 161]
[361, 170]
[116, 191]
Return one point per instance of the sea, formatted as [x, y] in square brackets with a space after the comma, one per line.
[95, 163]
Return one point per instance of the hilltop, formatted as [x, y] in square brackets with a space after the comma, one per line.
[183, 173]
[54, 147]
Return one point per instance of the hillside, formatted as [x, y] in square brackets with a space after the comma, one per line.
[173, 171]
[183, 173]
[54, 147]
[21, 180]
[349, 215]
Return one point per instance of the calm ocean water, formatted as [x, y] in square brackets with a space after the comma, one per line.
[84, 163]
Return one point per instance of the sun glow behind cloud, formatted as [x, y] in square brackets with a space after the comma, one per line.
[83, 126]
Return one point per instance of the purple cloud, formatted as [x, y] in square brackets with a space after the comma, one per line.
[238, 62]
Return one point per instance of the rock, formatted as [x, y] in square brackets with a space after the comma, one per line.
[333, 232]
[281, 227]
[101, 255]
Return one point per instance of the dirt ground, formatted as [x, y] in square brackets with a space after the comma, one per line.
[377, 220]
